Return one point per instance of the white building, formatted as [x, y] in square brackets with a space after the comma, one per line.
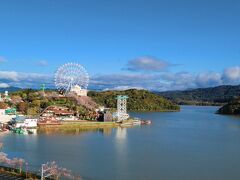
[4, 118]
[79, 91]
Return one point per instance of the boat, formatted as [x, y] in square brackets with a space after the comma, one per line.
[32, 131]
[136, 122]
[146, 122]
[20, 130]
[127, 124]
[22, 121]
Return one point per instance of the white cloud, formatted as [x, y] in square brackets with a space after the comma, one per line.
[9, 75]
[147, 63]
[207, 79]
[4, 85]
[154, 79]
[164, 81]
[24, 80]
[121, 88]
[232, 74]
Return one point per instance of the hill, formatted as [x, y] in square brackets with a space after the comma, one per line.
[9, 89]
[139, 100]
[232, 107]
[32, 102]
[204, 96]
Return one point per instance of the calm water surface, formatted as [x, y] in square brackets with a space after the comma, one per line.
[193, 144]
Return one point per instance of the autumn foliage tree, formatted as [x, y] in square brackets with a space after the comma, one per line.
[22, 107]
[3, 105]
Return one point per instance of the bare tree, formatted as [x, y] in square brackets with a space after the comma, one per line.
[51, 169]
[14, 163]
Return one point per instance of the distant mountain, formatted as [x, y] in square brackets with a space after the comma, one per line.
[205, 96]
[9, 89]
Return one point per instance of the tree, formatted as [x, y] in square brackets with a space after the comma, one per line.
[22, 107]
[32, 111]
[36, 103]
[3, 105]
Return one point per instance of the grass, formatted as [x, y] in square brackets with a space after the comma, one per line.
[77, 127]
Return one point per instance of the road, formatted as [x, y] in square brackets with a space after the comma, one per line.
[4, 176]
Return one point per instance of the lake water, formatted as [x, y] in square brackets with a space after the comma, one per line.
[193, 144]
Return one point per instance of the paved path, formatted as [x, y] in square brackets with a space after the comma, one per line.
[9, 177]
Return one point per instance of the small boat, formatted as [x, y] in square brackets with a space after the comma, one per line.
[126, 124]
[146, 122]
[30, 131]
[136, 122]
[20, 130]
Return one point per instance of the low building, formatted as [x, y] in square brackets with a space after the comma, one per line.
[79, 91]
[104, 115]
[22, 121]
[6, 115]
[108, 117]
[59, 113]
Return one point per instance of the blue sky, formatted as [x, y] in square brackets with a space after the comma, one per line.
[154, 44]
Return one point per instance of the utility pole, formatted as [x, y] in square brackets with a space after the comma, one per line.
[42, 172]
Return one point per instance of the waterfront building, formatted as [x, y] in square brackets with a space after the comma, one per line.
[78, 91]
[22, 121]
[7, 114]
[104, 115]
[59, 113]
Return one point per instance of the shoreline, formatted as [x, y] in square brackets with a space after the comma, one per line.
[76, 127]
[13, 172]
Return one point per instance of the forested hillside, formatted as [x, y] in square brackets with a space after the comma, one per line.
[139, 100]
[205, 96]
[232, 107]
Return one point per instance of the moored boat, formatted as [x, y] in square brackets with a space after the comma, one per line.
[136, 122]
[20, 130]
[146, 122]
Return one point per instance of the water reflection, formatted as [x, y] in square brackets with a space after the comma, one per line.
[121, 134]
[73, 131]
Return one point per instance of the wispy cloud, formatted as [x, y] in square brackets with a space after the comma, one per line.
[167, 80]
[42, 63]
[25, 80]
[4, 85]
[207, 79]
[143, 73]
[232, 74]
[147, 63]
[121, 88]
[9, 75]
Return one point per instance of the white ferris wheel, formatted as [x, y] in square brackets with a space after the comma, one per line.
[69, 76]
